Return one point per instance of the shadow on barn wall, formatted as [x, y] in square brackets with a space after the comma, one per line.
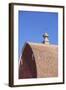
[27, 67]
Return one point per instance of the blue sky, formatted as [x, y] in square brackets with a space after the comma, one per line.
[32, 25]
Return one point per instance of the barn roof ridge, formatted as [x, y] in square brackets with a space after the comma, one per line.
[40, 44]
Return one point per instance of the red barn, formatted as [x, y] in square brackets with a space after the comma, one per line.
[39, 61]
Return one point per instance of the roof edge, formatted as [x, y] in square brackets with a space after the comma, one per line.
[41, 44]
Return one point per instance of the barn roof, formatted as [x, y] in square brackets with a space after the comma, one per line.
[46, 58]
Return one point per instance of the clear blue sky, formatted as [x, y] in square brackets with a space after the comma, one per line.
[32, 25]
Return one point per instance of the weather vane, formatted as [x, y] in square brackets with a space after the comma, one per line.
[46, 40]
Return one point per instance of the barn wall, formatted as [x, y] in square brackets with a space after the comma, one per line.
[28, 67]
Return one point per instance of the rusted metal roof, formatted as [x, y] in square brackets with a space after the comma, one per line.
[45, 58]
